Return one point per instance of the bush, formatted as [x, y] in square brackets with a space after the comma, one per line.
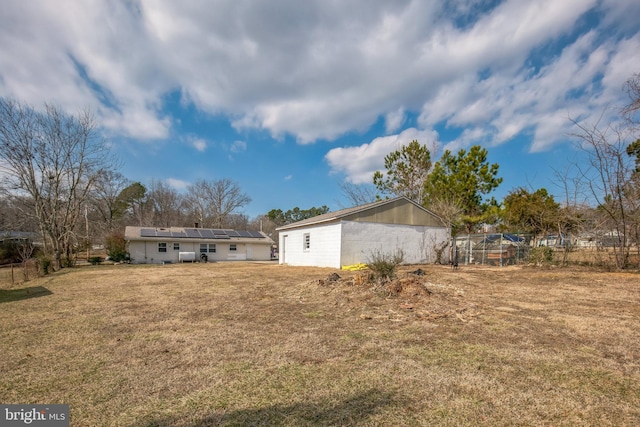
[95, 260]
[383, 264]
[116, 246]
[542, 255]
[68, 261]
[44, 265]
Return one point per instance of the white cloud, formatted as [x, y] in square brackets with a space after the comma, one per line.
[178, 184]
[317, 69]
[288, 177]
[238, 146]
[394, 120]
[360, 162]
[198, 143]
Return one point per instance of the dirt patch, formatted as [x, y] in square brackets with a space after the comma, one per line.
[410, 295]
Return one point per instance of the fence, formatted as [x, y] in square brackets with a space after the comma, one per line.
[15, 274]
[493, 249]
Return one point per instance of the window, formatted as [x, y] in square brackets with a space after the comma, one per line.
[162, 247]
[204, 248]
[306, 241]
[176, 246]
[232, 247]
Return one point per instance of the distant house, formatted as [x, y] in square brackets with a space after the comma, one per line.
[20, 237]
[176, 244]
[350, 236]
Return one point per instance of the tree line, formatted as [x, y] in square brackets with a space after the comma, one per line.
[600, 190]
[58, 179]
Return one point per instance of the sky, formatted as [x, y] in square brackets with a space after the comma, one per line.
[291, 98]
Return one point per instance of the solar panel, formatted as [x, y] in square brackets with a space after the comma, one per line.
[147, 232]
[256, 234]
[207, 234]
[178, 234]
[192, 233]
[217, 232]
[244, 233]
[163, 233]
[222, 236]
[233, 233]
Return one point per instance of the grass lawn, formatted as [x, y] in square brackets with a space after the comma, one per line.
[261, 344]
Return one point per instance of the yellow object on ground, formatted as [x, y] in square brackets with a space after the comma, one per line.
[355, 267]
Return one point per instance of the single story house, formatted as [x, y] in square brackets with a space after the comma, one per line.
[149, 245]
[350, 236]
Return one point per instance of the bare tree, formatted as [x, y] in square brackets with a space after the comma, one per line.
[449, 211]
[227, 198]
[236, 222]
[104, 199]
[632, 87]
[211, 202]
[608, 173]
[264, 224]
[25, 252]
[166, 204]
[53, 158]
[198, 201]
[358, 194]
[11, 216]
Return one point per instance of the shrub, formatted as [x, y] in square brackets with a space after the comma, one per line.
[116, 246]
[44, 265]
[95, 260]
[542, 255]
[68, 261]
[384, 264]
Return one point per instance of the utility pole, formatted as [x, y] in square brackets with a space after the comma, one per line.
[86, 224]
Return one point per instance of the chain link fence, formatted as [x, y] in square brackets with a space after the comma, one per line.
[498, 249]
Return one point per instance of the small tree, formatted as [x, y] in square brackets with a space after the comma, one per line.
[462, 180]
[534, 212]
[407, 171]
[116, 246]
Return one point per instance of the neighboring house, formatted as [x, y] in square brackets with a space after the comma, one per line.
[350, 236]
[20, 237]
[161, 245]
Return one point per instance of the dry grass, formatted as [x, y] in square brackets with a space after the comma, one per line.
[262, 344]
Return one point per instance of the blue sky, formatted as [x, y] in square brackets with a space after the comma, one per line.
[291, 98]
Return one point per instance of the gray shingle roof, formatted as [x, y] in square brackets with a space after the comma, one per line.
[332, 216]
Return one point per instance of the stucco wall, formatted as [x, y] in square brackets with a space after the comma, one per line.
[361, 239]
[324, 250]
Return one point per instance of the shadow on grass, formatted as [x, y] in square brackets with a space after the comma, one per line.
[9, 295]
[353, 411]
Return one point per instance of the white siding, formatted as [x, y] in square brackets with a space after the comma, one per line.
[360, 239]
[324, 250]
[146, 252]
[142, 252]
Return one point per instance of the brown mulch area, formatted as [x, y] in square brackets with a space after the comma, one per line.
[412, 294]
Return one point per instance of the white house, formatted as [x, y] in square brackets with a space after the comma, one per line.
[350, 236]
[175, 244]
